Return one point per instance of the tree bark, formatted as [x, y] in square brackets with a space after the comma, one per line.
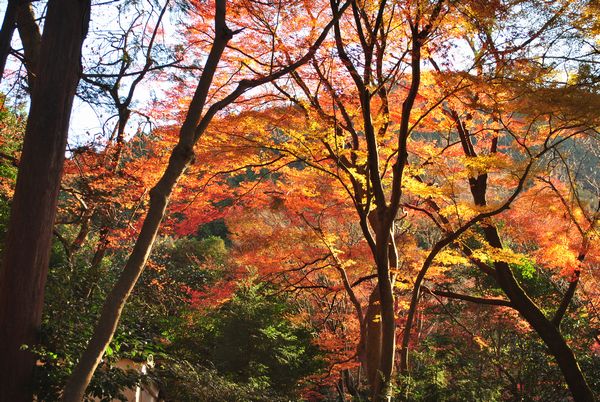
[25, 265]
[382, 391]
[372, 339]
[31, 39]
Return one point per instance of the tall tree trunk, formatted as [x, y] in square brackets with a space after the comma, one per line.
[111, 311]
[383, 390]
[180, 159]
[25, 265]
[410, 318]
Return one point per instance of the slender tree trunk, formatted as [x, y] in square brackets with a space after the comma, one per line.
[372, 339]
[111, 311]
[25, 264]
[31, 38]
[545, 328]
[568, 296]
[180, 159]
[95, 271]
[6, 32]
[382, 391]
[410, 317]
[350, 383]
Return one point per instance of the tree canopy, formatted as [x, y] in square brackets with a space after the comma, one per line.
[300, 200]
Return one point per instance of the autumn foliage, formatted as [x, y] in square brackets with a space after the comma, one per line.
[384, 200]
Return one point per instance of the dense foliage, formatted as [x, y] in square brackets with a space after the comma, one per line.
[304, 200]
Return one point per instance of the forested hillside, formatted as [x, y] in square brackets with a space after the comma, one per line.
[205, 200]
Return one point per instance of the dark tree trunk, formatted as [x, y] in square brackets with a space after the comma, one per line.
[6, 32]
[372, 341]
[25, 265]
[383, 389]
[31, 39]
[113, 306]
[545, 328]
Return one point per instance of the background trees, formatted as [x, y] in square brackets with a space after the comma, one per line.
[363, 184]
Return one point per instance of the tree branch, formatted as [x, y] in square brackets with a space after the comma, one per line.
[472, 299]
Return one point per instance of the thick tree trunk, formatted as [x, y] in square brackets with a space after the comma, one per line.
[25, 265]
[388, 342]
[381, 302]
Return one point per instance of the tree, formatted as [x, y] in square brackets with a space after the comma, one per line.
[26, 253]
[251, 339]
[539, 131]
[345, 120]
[403, 172]
[196, 121]
[19, 14]
[370, 86]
